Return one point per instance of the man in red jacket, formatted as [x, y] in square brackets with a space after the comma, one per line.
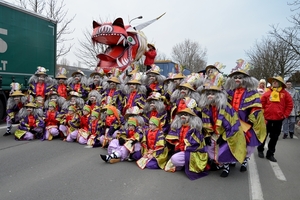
[277, 104]
[150, 56]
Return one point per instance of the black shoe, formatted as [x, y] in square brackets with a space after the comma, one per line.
[243, 168]
[291, 135]
[271, 158]
[7, 133]
[106, 158]
[261, 154]
[284, 136]
[225, 171]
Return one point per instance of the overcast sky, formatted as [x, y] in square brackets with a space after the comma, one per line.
[226, 28]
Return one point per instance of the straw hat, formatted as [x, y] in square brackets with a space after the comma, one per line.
[32, 105]
[74, 94]
[62, 72]
[155, 96]
[179, 76]
[187, 85]
[238, 72]
[41, 71]
[154, 69]
[213, 87]
[151, 45]
[98, 71]
[187, 110]
[78, 72]
[114, 79]
[134, 81]
[277, 78]
[17, 93]
[211, 67]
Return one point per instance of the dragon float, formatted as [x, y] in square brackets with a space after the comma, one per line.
[125, 44]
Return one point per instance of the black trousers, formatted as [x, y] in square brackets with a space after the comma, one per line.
[273, 130]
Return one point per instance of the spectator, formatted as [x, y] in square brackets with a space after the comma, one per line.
[277, 104]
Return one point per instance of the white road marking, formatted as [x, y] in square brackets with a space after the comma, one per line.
[254, 182]
[277, 171]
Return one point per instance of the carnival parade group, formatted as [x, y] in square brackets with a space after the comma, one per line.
[195, 123]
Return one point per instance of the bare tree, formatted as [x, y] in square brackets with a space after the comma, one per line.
[290, 35]
[272, 57]
[190, 55]
[87, 53]
[54, 9]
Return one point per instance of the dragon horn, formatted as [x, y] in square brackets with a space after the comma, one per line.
[145, 24]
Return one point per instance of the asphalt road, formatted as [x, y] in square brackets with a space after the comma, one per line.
[60, 170]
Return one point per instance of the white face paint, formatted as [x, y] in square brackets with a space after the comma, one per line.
[238, 79]
[92, 99]
[41, 78]
[51, 108]
[73, 100]
[29, 110]
[17, 99]
[211, 96]
[112, 85]
[184, 91]
[71, 112]
[53, 98]
[61, 81]
[77, 78]
[152, 77]
[96, 79]
[184, 117]
[131, 127]
[85, 112]
[132, 87]
[152, 126]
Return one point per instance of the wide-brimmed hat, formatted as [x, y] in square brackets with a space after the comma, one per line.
[32, 105]
[17, 93]
[154, 96]
[187, 85]
[134, 81]
[179, 76]
[187, 110]
[61, 74]
[152, 45]
[238, 72]
[277, 78]
[154, 69]
[74, 94]
[98, 71]
[211, 67]
[78, 72]
[114, 79]
[213, 87]
[41, 71]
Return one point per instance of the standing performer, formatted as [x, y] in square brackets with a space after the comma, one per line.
[15, 103]
[245, 99]
[40, 83]
[60, 84]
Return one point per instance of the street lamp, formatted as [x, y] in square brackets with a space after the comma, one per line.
[139, 17]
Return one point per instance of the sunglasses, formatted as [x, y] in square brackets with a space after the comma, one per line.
[238, 77]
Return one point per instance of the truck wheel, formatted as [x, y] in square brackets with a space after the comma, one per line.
[2, 110]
